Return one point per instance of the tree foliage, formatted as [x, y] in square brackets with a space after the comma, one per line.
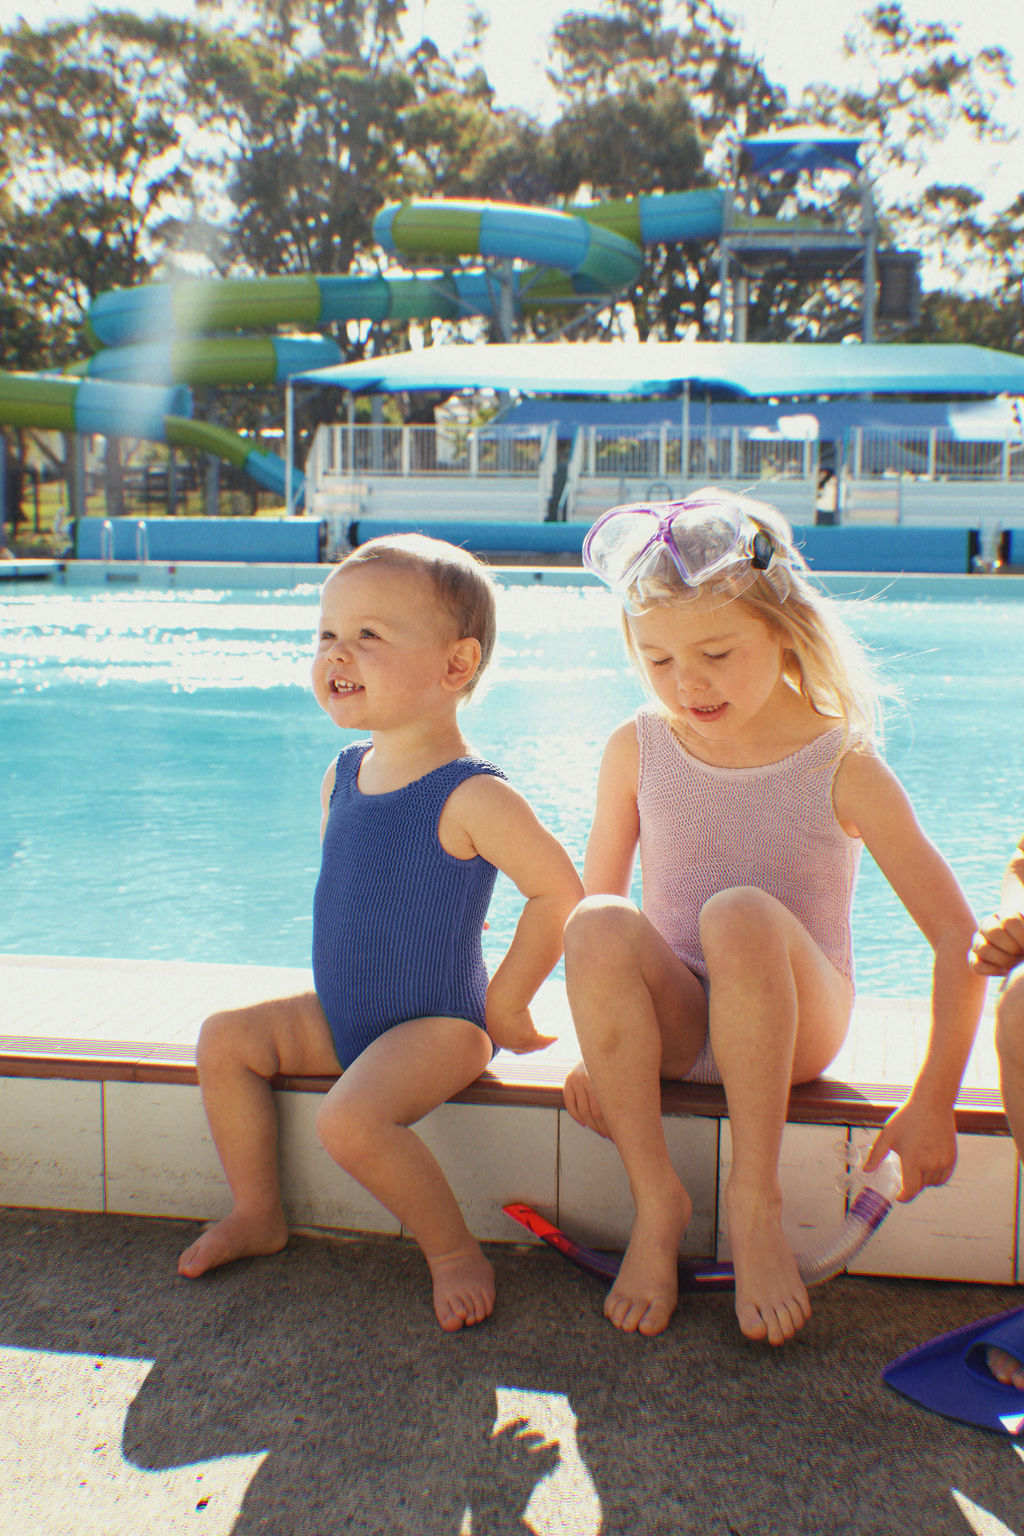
[915, 85]
[93, 128]
[649, 107]
[265, 138]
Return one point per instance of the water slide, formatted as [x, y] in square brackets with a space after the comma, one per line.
[582, 255]
[154, 341]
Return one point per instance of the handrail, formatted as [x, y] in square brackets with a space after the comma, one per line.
[567, 500]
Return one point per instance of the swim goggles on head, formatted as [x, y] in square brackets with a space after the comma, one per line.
[705, 543]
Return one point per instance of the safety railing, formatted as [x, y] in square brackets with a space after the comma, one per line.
[932, 454]
[342, 450]
[667, 452]
[667, 461]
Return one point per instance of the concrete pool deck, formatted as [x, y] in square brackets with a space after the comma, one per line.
[313, 1392]
[102, 1113]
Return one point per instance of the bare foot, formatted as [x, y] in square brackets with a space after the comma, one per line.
[463, 1287]
[1005, 1368]
[646, 1289]
[236, 1237]
[771, 1299]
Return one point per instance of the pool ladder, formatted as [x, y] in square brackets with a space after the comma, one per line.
[107, 541]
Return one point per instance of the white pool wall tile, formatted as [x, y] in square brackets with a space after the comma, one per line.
[492, 1154]
[160, 1156]
[810, 1170]
[963, 1230]
[51, 1147]
[314, 1190]
[594, 1200]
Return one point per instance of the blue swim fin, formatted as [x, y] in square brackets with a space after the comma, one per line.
[949, 1375]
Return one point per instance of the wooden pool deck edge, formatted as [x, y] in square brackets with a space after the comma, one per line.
[98, 1118]
[825, 1101]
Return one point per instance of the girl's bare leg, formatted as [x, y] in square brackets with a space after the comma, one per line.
[779, 1012]
[1010, 1048]
[639, 1015]
[238, 1053]
[364, 1123]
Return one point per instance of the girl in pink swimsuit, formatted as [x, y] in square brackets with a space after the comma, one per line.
[749, 788]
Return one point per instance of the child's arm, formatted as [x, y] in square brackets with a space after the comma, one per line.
[615, 831]
[501, 827]
[870, 800]
[999, 943]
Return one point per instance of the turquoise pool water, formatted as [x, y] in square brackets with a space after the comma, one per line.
[161, 756]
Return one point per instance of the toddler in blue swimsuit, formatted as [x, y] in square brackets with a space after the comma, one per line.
[414, 828]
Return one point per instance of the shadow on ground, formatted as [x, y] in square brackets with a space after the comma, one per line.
[327, 1359]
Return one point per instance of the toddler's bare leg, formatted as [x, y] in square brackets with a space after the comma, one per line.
[364, 1123]
[237, 1055]
[779, 1012]
[639, 1015]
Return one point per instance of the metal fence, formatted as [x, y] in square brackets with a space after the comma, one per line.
[932, 454]
[374, 449]
[730, 453]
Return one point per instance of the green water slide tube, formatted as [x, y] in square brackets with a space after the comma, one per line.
[157, 338]
[582, 254]
[58, 404]
[156, 311]
[211, 361]
[153, 412]
[267, 469]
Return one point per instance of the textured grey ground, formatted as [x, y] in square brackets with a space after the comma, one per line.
[327, 1358]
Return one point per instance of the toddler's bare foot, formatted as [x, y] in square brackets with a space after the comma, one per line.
[1005, 1368]
[771, 1299]
[236, 1237]
[646, 1288]
[463, 1287]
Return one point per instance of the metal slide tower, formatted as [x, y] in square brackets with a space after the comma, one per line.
[753, 246]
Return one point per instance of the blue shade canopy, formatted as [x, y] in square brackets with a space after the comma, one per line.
[756, 370]
[809, 150]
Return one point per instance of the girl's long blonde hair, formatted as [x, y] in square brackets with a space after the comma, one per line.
[825, 662]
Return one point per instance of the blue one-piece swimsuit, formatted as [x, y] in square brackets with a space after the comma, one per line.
[397, 921]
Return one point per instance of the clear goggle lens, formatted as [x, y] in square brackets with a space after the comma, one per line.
[643, 552]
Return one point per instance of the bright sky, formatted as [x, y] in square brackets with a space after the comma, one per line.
[797, 39]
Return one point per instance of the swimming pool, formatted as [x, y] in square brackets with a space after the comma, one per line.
[162, 755]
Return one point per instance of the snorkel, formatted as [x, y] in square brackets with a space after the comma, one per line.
[871, 1197]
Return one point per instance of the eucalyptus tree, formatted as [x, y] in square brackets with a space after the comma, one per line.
[314, 145]
[97, 151]
[25, 337]
[919, 101]
[654, 98]
[658, 96]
